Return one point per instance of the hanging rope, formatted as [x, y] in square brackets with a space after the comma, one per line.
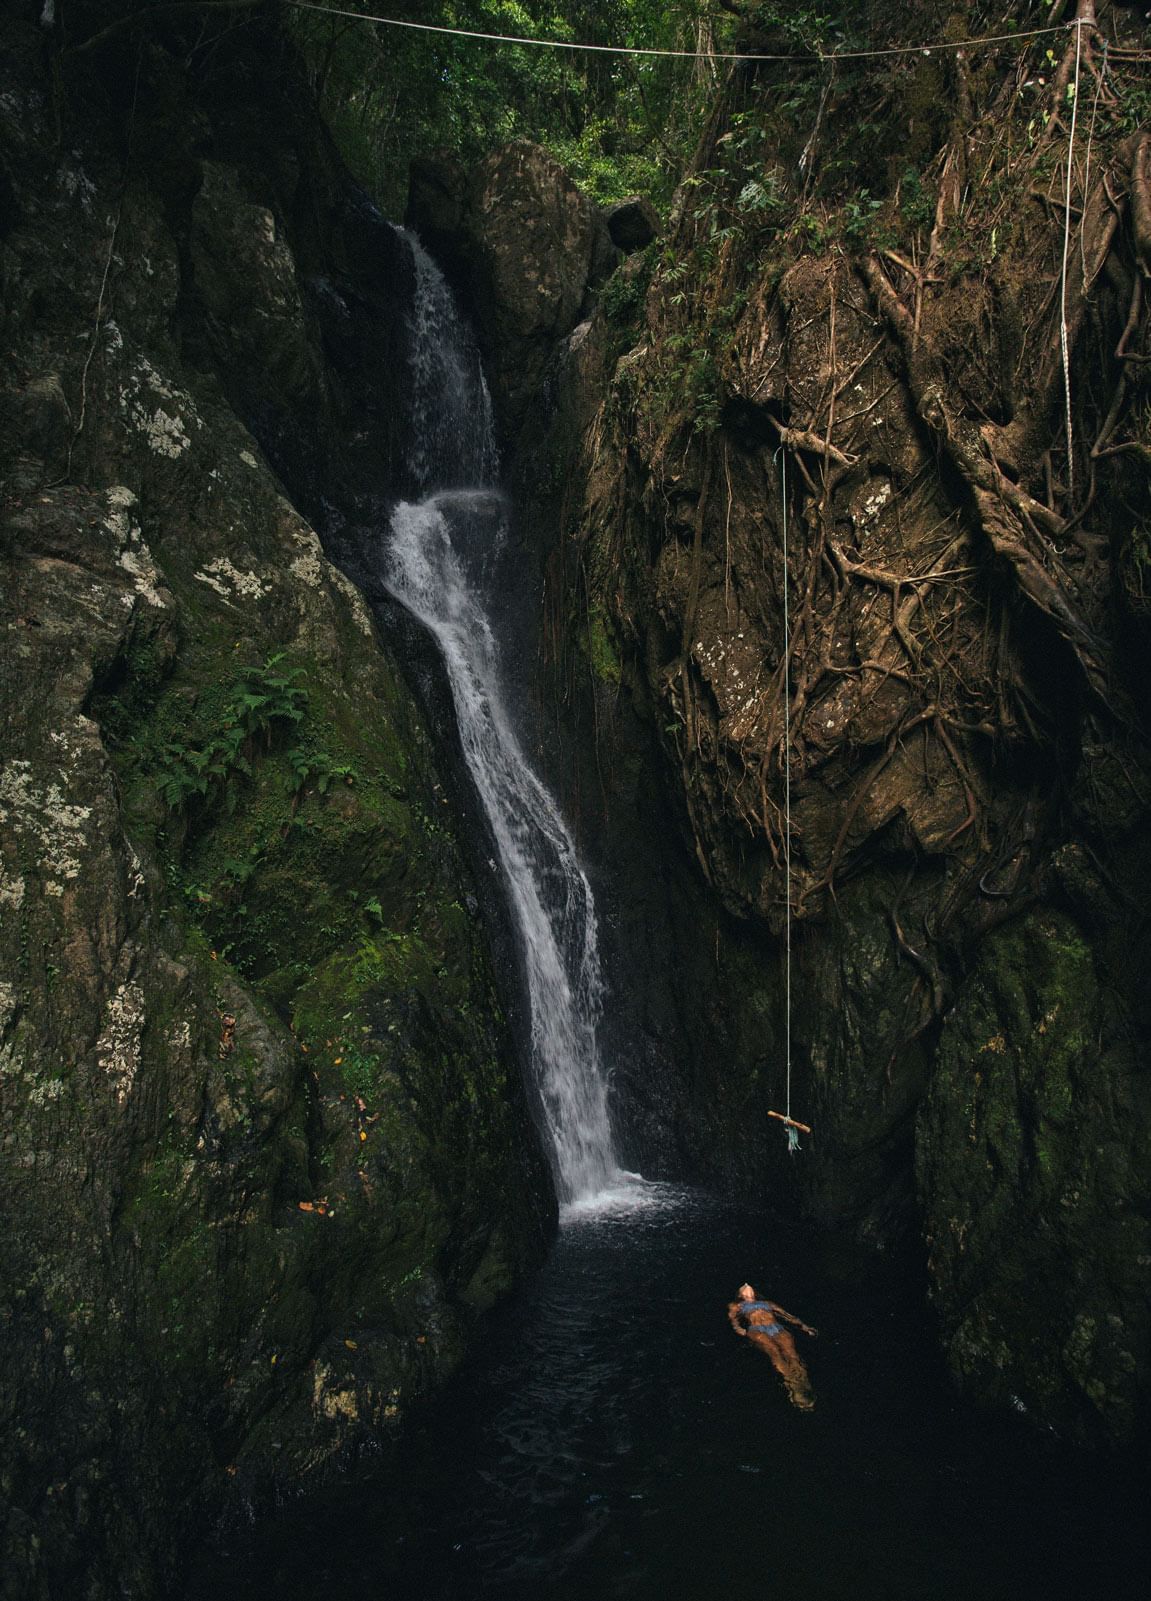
[790, 1124]
[792, 1136]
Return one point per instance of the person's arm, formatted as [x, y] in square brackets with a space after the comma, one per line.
[733, 1318]
[791, 1318]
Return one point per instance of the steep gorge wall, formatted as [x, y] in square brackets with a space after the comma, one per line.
[222, 1003]
[969, 763]
[265, 1152]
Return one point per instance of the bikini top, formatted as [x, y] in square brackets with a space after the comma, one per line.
[756, 1306]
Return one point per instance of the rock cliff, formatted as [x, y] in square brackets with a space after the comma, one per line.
[524, 247]
[265, 1151]
[872, 390]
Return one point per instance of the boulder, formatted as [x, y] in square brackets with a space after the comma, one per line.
[246, 280]
[632, 223]
[45, 415]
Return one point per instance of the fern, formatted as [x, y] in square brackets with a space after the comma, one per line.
[266, 696]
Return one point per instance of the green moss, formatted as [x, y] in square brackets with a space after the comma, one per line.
[319, 885]
[280, 856]
[1010, 1156]
[623, 296]
[600, 647]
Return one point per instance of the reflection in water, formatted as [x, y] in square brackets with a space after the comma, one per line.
[615, 1440]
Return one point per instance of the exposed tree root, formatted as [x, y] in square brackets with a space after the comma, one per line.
[1141, 201]
[1010, 519]
[929, 676]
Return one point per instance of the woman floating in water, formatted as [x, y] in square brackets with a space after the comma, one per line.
[757, 1320]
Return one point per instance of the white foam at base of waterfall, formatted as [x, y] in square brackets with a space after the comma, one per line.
[631, 1195]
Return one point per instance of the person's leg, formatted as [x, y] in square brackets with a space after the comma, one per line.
[798, 1385]
[789, 1365]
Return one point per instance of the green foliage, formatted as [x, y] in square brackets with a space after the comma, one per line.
[620, 123]
[916, 201]
[606, 166]
[269, 694]
[859, 216]
[758, 196]
[265, 698]
[188, 773]
[624, 293]
[1134, 104]
[361, 1068]
[695, 388]
[318, 768]
[803, 28]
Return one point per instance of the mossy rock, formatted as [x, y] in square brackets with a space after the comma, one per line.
[1034, 1199]
[202, 1297]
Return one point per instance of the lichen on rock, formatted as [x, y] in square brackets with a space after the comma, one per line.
[235, 1253]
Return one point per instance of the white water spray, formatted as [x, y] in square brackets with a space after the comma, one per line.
[440, 552]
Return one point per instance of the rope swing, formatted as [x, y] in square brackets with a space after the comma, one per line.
[792, 1126]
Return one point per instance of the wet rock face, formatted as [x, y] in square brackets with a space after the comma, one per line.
[247, 283]
[969, 1014]
[263, 1151]
[1035, 1195]
[524, 243]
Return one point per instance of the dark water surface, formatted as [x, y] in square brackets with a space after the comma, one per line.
[614, 1439]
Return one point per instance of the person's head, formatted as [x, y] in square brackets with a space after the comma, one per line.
[746, 1293]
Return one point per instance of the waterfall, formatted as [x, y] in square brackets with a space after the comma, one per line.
[440, 562]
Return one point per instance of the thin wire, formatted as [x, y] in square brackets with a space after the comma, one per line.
[691, 55]
[1063, 280]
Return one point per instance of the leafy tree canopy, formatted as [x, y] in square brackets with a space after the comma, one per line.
[620, 123]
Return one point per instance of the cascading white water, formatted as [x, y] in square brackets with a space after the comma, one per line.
[440, 551]
[453, 440]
